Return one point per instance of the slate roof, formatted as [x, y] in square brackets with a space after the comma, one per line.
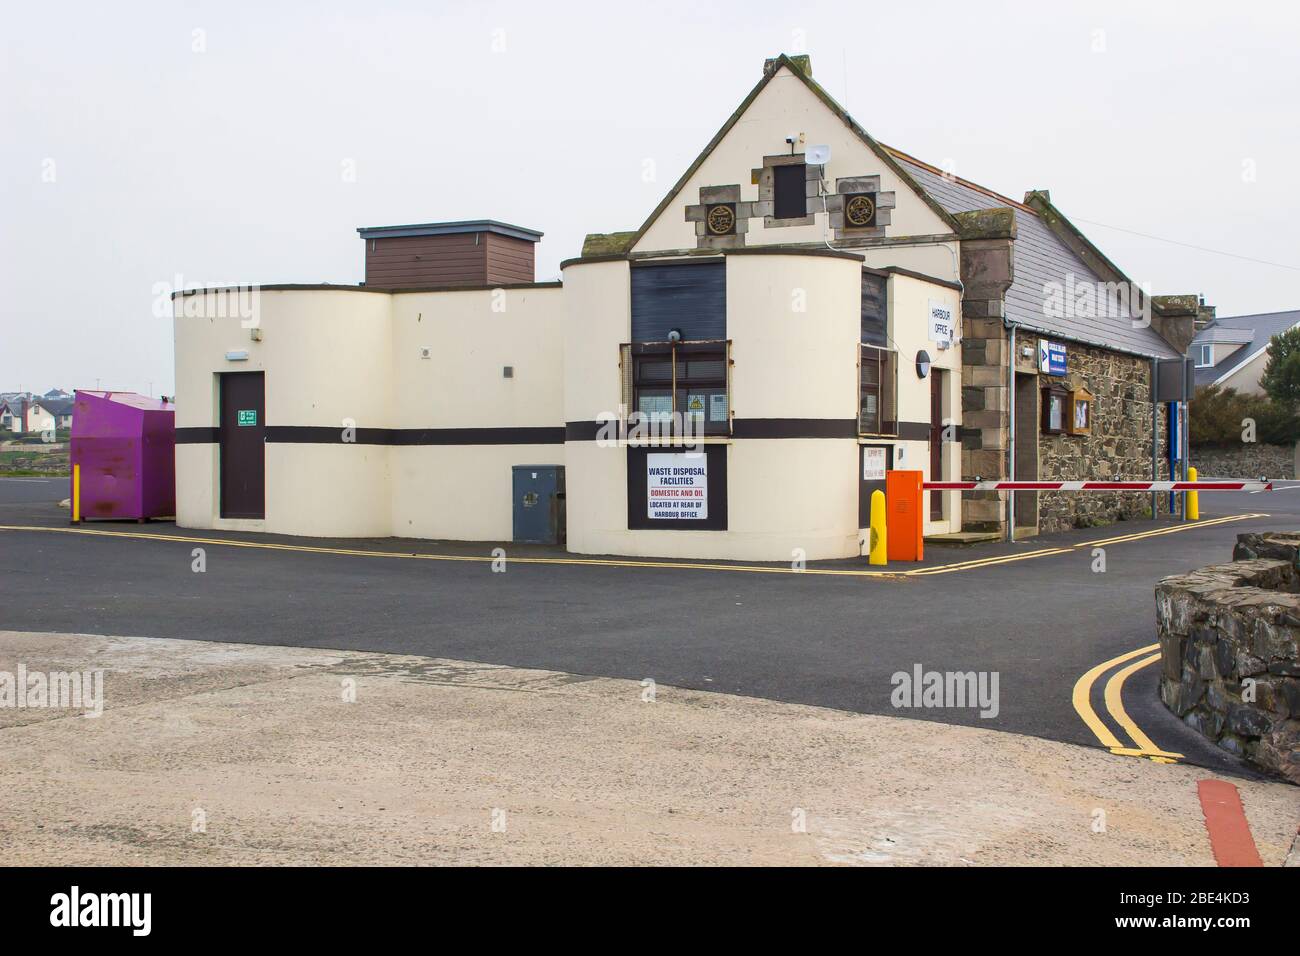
[1226, 329]
[1040, 258]
[55, 406]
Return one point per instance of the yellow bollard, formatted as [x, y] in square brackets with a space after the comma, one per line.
[76, 494]
[1193, 499]
[879, 536]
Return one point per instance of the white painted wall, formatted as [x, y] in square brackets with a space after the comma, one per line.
[463, 492]
[783, 494]
[909, 310]
[326, 359]
[340, 358]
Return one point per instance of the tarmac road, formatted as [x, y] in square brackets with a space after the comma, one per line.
[1039, 622]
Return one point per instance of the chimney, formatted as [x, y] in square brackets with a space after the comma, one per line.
[437, 255]
[800, 61]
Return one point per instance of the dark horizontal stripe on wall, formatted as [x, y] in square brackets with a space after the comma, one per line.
[330, 435]
[794, 428]
[583, 431]
[541, 435]
[775, 428]
[326, 435]
[914, 431]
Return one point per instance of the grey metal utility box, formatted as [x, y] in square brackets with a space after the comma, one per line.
[538, 504]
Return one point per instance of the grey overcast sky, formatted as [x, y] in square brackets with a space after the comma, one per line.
[145, 141]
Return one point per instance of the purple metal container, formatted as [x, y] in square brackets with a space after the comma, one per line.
[125, 444]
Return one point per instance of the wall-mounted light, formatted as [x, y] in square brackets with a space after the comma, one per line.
[675, 335]
[922, 363]
[237, 355]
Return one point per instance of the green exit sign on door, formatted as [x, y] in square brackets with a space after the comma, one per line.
[248, 416]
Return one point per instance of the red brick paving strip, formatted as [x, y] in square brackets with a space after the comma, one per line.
[1225, 819]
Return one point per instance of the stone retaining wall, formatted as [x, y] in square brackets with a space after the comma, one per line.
[1247, 460]
[1228, 643]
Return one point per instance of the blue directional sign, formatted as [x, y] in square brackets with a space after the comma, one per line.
[1051, 357]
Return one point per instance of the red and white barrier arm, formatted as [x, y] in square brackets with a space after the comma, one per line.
[1098, 486]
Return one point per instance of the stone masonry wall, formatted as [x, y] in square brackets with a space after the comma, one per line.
[1248, 460]
[1230, 666]
[986, 273]
[984, 416]
[1119, 447]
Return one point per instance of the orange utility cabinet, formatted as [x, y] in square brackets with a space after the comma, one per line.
[904, 517]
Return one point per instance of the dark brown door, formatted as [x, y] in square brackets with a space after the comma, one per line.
[936, 442]
[243, 449]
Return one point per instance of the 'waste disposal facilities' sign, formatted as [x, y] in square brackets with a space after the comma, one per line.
[677, 486]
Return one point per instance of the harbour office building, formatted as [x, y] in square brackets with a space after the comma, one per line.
[806, 310]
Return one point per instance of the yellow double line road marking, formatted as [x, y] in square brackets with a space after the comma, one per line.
[1047, 552]
[1186, 526]
[985, 562]
[633, 563]
[1114, 700]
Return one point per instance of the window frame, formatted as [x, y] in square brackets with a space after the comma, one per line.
[778, 178]
[1202, 361]
[678, 354]
[885, 360]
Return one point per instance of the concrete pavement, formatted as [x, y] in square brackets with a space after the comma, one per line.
[211, 753]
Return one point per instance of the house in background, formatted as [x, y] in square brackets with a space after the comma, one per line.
[60, 408]
[1232, 351]
[11, 411]
[23, 416]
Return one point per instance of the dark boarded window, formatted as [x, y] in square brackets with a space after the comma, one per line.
[690, 297]
[790, 183]
[875, 309]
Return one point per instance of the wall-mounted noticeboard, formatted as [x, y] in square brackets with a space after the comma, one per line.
[1080, 412]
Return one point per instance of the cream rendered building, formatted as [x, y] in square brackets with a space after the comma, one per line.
[730, 380]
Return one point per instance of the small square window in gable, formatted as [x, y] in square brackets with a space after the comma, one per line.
[789, 191]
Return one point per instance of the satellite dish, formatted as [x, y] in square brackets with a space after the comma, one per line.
[818, 155]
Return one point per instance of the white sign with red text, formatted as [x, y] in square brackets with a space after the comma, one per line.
[677, 486]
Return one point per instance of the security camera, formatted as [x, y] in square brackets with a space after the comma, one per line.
[792, 138]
